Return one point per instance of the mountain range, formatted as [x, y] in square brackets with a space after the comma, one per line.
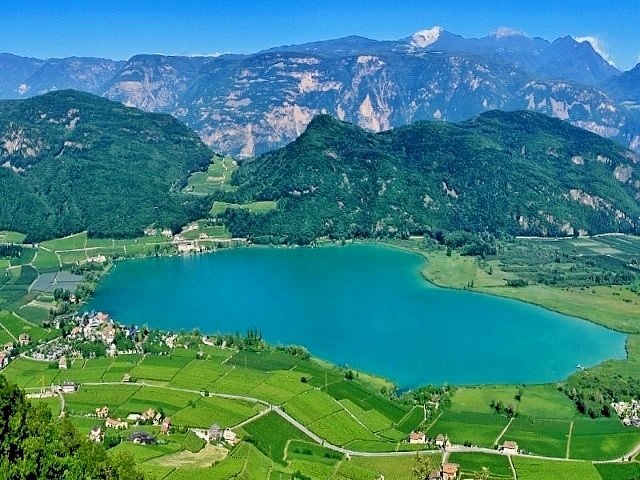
[249, 104]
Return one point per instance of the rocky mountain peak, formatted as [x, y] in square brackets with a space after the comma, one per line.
[427, 37]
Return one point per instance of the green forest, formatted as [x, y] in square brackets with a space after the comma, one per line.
[502, 173]
[74, 162]
[34, 446]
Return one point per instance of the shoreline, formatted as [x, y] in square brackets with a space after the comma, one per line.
[487, 291]
[423, 278]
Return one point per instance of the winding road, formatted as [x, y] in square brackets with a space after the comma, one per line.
[345, 451]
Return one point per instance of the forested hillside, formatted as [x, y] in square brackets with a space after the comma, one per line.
[503, 173]
[73, 161]
[35, 446]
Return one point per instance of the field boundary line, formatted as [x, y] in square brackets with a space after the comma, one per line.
[25, 320]
[255, 417]
[409, 413]
[434, 422]
[513, 468]
[569, 439]
[358, 420]
[7, 330]
[504, 430]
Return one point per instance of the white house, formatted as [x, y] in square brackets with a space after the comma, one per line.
[510, 448]
[417, 438]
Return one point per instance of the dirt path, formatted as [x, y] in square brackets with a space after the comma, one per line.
[513, 469]
[504, 430]
[569, 439]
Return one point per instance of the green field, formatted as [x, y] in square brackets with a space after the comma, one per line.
[602, 439]
[626, 471]
[72, 242]
[253, 207]
[533, 469]
[311, 406]
[340, 428]
[545, 401]
[480, 429]
[538, 436]
[270, 433]
[478, 399]
[207, 411]
[215, 179]
[391, 467]
[11, 237]
[471, 465]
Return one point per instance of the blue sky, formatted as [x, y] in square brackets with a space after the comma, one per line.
[121, 28]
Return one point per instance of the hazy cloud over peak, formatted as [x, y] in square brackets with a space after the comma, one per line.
[598, 46]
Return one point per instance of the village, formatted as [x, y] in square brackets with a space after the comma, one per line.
[100, 330]
[629, 412]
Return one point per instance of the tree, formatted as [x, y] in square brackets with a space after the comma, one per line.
[422, 467]
[36, 447]
[484, 474]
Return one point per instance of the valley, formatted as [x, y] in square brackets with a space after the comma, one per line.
[349, 414]
[219, 275]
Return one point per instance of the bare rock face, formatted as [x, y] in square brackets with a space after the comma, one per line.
[248, 104]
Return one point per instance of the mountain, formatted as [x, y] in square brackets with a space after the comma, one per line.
[249, 104]
[626, 87]
[514, 173]
[15, 70]
[26, 77]
[564, 59]
[67, 159]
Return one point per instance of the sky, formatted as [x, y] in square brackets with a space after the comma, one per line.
[119, 29]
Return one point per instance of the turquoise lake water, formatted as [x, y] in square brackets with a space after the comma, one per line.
[361, 305]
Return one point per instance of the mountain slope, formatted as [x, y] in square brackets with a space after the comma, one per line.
[249, 104]
[73, 161]
[515, 173]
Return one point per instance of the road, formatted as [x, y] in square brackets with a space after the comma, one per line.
[345, 451]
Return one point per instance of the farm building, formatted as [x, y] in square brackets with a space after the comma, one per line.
[166, 426]
[215, 433]
[510, 447]
[116, 424]
[417, 438]
[96, 434]
[142, 438]
[102, 412]
[229, 436]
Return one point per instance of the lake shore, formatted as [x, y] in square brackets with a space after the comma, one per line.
[371, 289]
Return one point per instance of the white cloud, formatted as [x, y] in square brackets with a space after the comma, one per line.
[508, 32]
[598, 45]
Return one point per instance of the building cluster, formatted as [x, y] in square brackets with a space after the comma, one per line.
[420, 438]
[148, 417]
[216, 434]
[447, 471]
[94, 326]
[629, 412]
[6, 354]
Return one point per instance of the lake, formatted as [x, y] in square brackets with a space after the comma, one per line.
[365, 306]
